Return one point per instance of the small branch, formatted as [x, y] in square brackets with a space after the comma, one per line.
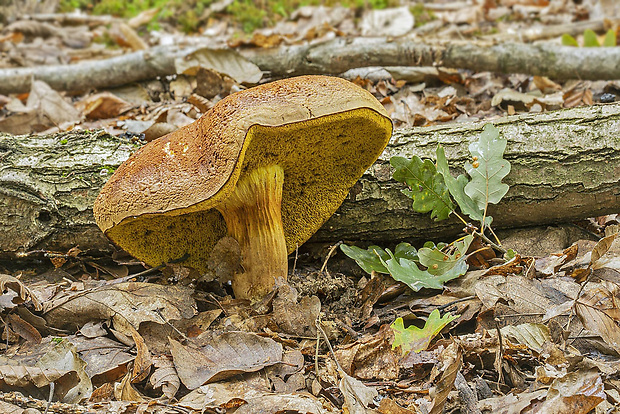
[334, 57]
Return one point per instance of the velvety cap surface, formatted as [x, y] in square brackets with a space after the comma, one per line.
[323, 131]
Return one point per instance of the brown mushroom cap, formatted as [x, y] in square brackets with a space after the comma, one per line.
[323, 131]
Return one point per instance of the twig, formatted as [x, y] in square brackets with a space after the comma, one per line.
[329, 254]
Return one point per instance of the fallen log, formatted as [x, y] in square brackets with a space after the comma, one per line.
[333, 57]
[565, 166]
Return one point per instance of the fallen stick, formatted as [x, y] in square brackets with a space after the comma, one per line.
[565, 166]
[334, 57]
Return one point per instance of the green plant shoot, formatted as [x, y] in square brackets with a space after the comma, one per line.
[415, 339]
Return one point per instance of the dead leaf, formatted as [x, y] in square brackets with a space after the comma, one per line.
[103, 105]
[142, 363]
[105, 358]
[357, 397]
[214, 356]
[511, 403]
[24, 329]
[451, 359]
[600, 251]
[388, 406]
[371, 356]
[51, 108]
[532, 335]
[225, 61]
[125, 303]
[598, 311]
[295, 318]
[165, 376]
[576, 393]
[387, 22]
[23, 293]
[124, 391]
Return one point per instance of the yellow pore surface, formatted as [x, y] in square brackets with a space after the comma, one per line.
[322, 158]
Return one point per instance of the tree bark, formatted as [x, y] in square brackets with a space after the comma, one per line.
[334, 57]
[565, 166]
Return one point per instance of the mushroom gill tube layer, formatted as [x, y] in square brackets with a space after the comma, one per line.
[253, 217]
[322, 158]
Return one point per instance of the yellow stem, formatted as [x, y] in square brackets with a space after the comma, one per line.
[253, 217]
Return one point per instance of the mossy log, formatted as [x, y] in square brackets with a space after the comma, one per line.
[565, 166]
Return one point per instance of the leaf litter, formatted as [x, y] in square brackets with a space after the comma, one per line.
[533, 334]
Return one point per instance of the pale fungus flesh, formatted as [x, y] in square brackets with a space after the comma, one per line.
[267, 166]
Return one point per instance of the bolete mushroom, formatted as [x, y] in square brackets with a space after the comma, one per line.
[267, 166]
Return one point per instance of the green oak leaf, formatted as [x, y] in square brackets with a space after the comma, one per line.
[370, 259]
[488, 170]
[568, 40]
[590, 39]
[408, 272]
[610, 38]
[439, 263]
[415, 339]
[426, 186]
[456, 186]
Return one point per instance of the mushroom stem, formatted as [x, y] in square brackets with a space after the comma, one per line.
[253, 217]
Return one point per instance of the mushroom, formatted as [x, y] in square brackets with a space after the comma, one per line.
[266, 166]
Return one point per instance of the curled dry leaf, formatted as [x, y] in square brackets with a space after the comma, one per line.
[165, 376]
[532, 335]
[248, 394]
[214, 356]
[23, 293]
[600, 249]
[452, 360]
[371, 356]
[104, 357]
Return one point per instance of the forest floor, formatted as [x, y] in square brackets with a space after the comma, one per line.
[532, 329]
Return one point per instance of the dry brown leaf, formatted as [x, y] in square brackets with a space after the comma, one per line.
[224, 61]
[165, 376]
[214, 356]
[105, 358]
[388, 406]
[546, 85]
[600, 249]
[295, 318]
[357, 397]
[576, 393]
[24, 329]
[532, 335]
[125, 303]
[142, 363]
[249, 394]
[23, 292]
[8, 408]
[598, 311]
[124, 391]
[511, 404]
[451, 359]
[513, 267]
[103, 105]
[371, 356]
[22, 376]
